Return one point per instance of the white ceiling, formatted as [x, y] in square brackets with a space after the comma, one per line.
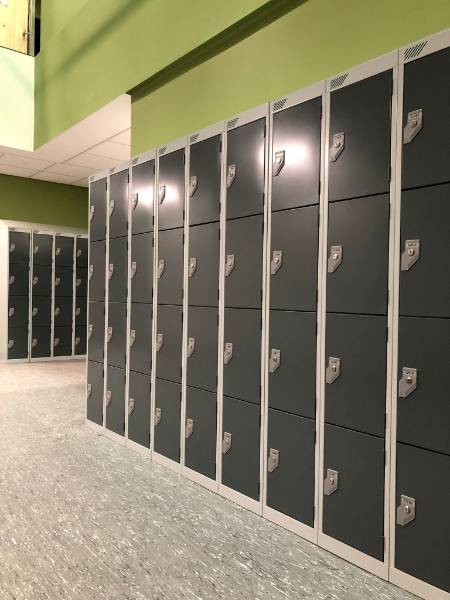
[99, 142]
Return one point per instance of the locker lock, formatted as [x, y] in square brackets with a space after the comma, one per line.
[57, 251]
[10, 343]
[231, 175]
[57, 281]
[112, 205]
[226, 442]
[108, 397]
[89, 389]
[133, 269]
[109, 333]
[110, 270]
[278, 162]
[190, 347]
[91, 212]
[159, 341]
[335, 258]
[406, 512]
[337, 146]
[229, 264]
[11, 311]
[130, 406]
[78, 282]
[410, 255]
[35, 311]
[413, 125]
[56, 311]
[135, 200]
[77, 311]
[189, 429]
[12, 247]
[56, 342]
[91, 271]
[162, 193]
[90, 328]
[408, 382]
[275, 360]
[34, 343]
[77, 341]
[227, 353]
[273, 462]
[192, 266]
[330, 484]
[276, 262]
[161, 267]
[35, 249]
[12, 279]
[78, 252]
[333, 370]
[132, 337]
[35, 280]
[193, 184]
[158, 415]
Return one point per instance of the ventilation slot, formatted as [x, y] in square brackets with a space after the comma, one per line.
[232, 122]
[278, 105]
[194, 138]
[162, 150]
[414, 51]
[338, 81]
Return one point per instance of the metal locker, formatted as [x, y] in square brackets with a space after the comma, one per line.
[116, 334]
[139, 409]
[296, 155]
[63, 251]
[358, 255]
[41, 310]
[64, 281]
[19, 279]
[245, 169]
[62, 341]
[426, 130]
[80, 342]
[170, 267]
[353, 501]
[19, 247]
[97, 210]
[41, 284]
[169, 343]
[63, 311]
[81, 254]
[115, 400]
[424, 271]
[355, 379]
[423, 408]
[17, 342]
[291, 465]
[170, 195]
[81, 279]
[202, 348]
[201, 432]
[422, 541]
[243, 262]
[360, 138]
[204, 181]
[118, 204]
[241, 447]
[141, 337]
[242, 354]
[41, 342]
[167, 419]
[292, 362]
[293, 259]
[118, 270]
[97, 271]
[42, 249]
[142, 197]
[18, 311]
[142, 267]
[96, 331]
[203, 265]
[81, 311]
[95, 392]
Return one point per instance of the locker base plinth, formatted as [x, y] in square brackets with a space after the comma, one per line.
[142, 450]
[300, 529]
[99, 429]
[42, 359]
[416, 586]
[166, 462]
[68, 357]
[6, 361]
[206, 482]
[244, 501]
[115, 437]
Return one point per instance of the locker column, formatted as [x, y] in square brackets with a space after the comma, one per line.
[63, 295]
[80, 300]
[18, 294]
[41, 295]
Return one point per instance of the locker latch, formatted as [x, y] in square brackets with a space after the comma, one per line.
[112, 205]
[11, 311]
[35, 280]
[57, 251]
[78, 252]
[275, 360]
[133, 269]
[190, 347]
[130, 406]
[10, 343]
[11, 279]
[335, 258]
[410, 255]
[78, 282]
[109, 333]
[35, 249]
[406, 512]
[189, 430]
[408, 382]
[278, 162]
[135, 200]
[34, 343]
[110, 270]
[12, 247]
[35, 311]
[108, 397]
[159, 341]
[77, 341]
[226, 442]
[276, 262]
[161, 267]
[330, 484]
[273, 461]
[57, 281]
[91, 271]
[162, 193]
[193, 184]
[227, 353]
[56, 342]
[231, 175]
[89, 387]
[132, 337]
[56, 311]
[90, 331]
[158, 415]
[91, 212]
[77, 311]
[413, 125]
[192, 266]
[229, 264]
[333, 370]
[337, 146]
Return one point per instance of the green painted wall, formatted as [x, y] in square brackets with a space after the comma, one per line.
[316, 40]
[35, 201]
[57, 14]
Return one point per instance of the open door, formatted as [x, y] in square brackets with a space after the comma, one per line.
[14, 28]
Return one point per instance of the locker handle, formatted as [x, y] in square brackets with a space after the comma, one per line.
[331, 482]
[130, 406]
[229, 264]
[112, 205]
[231, 175]
[413, 125]
[56, 342]
[162, 193]
[226, 442]
[278, 162]
[10, 343]
[57, 281]
[91, 212]
[273, 462]
[78, 253]
[110, 270]
[78, 282]
[90, 329]
[133, 269]
[161, 267]
[57, 251]
[135, 200]
[35, 311]
[108, 397]
[276, 262]
[109, 333]
[35, 249]
[34, 342]
[333, 371]
[275, 360]
[406, 512]
[227, 353]
[335, 258]
[192, 266]
[189, 429]
[56, 311]
[12, 279]
[91, 271]
[35, 280]
[77, 341]
[158, 416]
[132, 337]
[408, 382]
[159, 341]
[410, 255]
[12, 247]
[190, 347]
[337, 146]
[11, 311]
[77, 311]
[193, 184]
[89, 390]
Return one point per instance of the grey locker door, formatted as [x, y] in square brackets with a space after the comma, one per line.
[167, 419]
[118, 270]
[170, 195]
[204, 181]
[17, 342]
[141, 337]
[246, 156]
[354, 513]
[241, 459]
[97, 271]
[362, 112]
[118, 204]
[139, 409]
[81, 278]
[202, 348]
[63, 311]
[62, 341]
[42, 249]
[18, 311]
[41, 310]
[204, 265]
[357, 397]
[292, 356]
[244, 248]
[293, 285]
[142, 267]
[168, 343]
[170, 267]
[116, 335]
[422, 546]
[41, 342]
[63, 281]
[96, 331]
[19, 247]
[81, 311]
[361, 227]
[42, 280]
[200, 432]
[291, 465]
[423, 415]
[97, 210]
[80, 340]
[142, 197]
[82, 252]
[242, 370]
[296, 155]
[115, 400]
[19, 279]
[425, 285]
[95, 392]
[63, 251]
[427, 88]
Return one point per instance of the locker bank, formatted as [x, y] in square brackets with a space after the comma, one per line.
[225, 300]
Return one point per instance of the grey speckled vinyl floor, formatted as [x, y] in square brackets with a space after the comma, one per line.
[85, 519]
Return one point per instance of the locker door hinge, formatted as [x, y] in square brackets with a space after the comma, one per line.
[220, 150]
[390, 173]
[154, 167]
[184, 158]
